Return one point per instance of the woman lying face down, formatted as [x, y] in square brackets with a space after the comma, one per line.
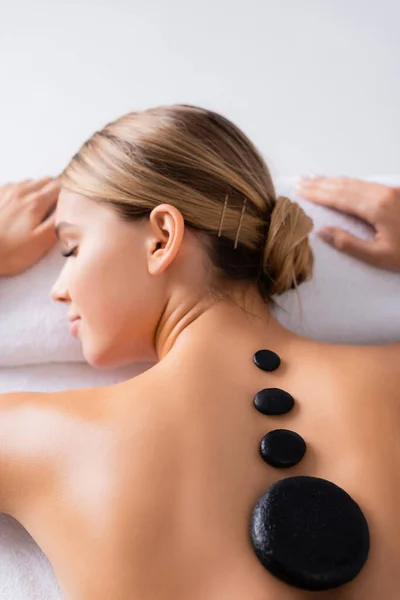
[177, 245]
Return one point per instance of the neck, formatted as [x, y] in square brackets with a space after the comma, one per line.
[226, 318]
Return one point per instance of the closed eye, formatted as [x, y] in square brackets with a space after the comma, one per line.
[70, 253]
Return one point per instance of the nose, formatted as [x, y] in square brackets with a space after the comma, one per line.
[59, 293]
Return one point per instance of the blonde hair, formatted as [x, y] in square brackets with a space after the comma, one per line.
[192, 158]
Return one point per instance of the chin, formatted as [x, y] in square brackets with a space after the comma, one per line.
[111, 353]
[102, 360]
[98, 360]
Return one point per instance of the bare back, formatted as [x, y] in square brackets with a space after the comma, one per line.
[155, 479]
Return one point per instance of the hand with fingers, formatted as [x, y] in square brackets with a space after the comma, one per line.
[377, 204]
[26, 223]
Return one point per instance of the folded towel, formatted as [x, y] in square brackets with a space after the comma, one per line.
[347, 300]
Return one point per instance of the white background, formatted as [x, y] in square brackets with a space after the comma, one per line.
[314, 83]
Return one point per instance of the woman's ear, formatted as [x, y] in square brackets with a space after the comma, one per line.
[167, 227]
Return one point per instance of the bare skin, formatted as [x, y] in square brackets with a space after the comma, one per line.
[26, 223]
[145, 489]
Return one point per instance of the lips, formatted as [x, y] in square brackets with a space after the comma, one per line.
[74, 326]
[74, 318]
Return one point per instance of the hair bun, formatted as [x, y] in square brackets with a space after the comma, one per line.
[288, 258]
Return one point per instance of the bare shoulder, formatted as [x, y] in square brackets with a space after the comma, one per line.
[388, 371]
[19, 456]
[352, 370]
[35, 429]
[370, 368]
[379, 361]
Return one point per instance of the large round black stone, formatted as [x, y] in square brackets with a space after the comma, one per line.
[282, 448]
[273, 401]
[266, 360]
[309, 533]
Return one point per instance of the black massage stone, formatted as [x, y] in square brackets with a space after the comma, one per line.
[309, 533]
[282, 448]
[267, 360]
[273, 401]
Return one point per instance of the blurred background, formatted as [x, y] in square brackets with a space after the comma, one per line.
[314, 83]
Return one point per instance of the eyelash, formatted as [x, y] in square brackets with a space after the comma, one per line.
[70, 253]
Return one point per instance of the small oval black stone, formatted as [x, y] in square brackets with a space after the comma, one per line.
[309, 533]
[267, 360]
[282, 448]
[273, 401]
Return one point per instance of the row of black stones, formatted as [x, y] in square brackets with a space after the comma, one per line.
[281, 447]
[306, 531]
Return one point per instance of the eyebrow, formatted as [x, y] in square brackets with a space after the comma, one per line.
[61, 225]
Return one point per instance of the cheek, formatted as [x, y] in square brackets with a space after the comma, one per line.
[110, 293]
[120, 316]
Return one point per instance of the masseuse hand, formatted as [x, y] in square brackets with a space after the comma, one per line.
[375, 203]
[25, 233]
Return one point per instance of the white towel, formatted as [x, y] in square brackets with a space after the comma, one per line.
[33, 328]
[347, 301]
[25, 571]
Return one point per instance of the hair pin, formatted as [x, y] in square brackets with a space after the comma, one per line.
[240, 222]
